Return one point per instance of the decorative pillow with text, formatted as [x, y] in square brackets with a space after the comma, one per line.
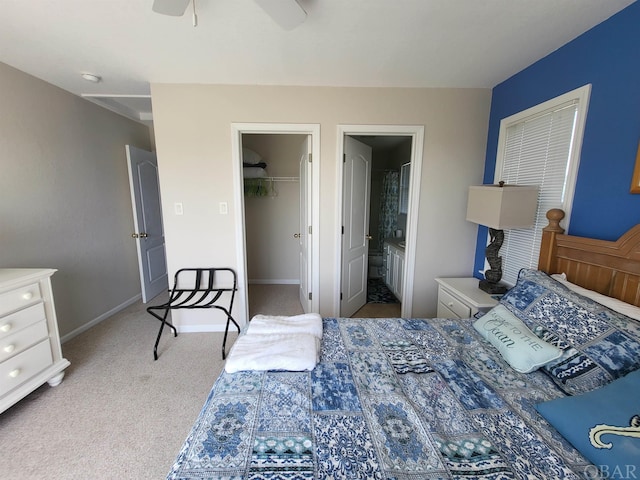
[518, 345]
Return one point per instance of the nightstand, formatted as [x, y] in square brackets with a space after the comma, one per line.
[461, 298]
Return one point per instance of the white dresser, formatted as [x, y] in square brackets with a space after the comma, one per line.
[30, 352]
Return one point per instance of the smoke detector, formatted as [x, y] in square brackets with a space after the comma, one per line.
[90, 77]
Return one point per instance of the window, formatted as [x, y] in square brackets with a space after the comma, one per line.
[540, 146]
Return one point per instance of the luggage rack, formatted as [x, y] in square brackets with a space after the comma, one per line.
[195, 288]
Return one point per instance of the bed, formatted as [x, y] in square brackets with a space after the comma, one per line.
[433, 398]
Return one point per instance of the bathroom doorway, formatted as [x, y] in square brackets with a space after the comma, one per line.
[390, 156]
[386, 234]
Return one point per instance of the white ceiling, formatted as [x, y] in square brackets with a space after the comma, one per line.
[391, 43]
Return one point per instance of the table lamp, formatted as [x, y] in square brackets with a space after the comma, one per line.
[500, 207]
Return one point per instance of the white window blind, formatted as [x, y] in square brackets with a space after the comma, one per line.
[539, 149]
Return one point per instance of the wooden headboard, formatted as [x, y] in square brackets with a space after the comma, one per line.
[608, 267]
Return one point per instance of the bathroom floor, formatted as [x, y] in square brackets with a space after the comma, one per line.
[378, 292]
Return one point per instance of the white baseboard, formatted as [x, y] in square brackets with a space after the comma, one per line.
[294, 281]
[102, 317]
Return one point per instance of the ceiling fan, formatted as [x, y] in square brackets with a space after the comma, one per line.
[286, 13]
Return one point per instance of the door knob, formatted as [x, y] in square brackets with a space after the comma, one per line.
[139, 235]
[368, 237]
[296, 235]
[143, 235]
[134, 235]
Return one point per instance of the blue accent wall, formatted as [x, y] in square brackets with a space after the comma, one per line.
[607, 57]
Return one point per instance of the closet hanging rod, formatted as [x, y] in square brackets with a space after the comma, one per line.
[282, 179]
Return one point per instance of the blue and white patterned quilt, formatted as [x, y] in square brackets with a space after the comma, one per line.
[390, 399]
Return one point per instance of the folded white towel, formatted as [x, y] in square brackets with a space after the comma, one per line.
[305, 323]
[292, 352]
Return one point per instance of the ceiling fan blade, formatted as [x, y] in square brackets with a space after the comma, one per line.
[286, 13]
[175, 8]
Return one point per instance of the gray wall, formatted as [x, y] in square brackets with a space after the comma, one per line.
[65, 200]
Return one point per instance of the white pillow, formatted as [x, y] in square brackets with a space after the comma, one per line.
[249, 156]
[610, 302]
[519, 346]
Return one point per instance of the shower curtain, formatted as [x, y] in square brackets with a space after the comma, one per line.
[388, 206]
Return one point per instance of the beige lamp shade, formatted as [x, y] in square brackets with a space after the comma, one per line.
[501, 207]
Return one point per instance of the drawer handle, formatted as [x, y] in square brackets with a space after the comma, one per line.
[14, 373]
[9, 348]
[450, 304]
[27, 296]
[5, 328]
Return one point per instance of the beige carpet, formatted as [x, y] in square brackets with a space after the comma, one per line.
[118, 414]
[274, 300]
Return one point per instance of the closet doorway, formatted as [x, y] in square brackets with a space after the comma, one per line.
[279, 254]
[380, 175]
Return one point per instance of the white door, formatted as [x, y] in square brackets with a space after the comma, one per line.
[355, 219]
[305, 216]
[147, 221]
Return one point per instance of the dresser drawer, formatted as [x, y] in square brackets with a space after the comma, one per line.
[445, 312]
[19, 298]
[22, 339]
[461, 309]
[21, 319]
[22, 367]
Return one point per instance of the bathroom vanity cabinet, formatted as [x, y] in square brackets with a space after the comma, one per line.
[393, 260]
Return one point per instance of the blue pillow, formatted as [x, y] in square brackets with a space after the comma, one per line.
[603, 425]
[598, 344]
